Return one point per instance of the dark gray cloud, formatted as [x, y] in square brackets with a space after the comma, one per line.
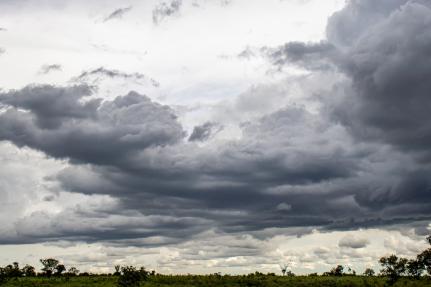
[45, 69]
[387, 101]
[360, 160]
[50, 106]
[117, 14]
[390, 99]
[58, 122]
[204, 131]
[166, 9]
[97, 74]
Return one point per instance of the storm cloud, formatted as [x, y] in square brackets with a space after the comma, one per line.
[342, 145]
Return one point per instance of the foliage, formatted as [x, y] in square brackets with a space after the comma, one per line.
[424, 258]
[13, 271]
[369, 272]
[336, 271]
[49, 265]
[131, 277]
[393, 267]
[60, 268]
[3, 276]
[260, 280]
[414, 268]
[73, 271]
[28, 271]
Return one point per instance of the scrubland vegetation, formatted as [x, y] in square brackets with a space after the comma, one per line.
[395, 272]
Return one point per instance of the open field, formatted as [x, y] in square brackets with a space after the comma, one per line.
[214, 280]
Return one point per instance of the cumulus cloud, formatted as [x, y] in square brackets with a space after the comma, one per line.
[384, 100]
[56, 121]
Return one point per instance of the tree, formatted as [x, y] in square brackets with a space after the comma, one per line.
[3, 276]
[73, 271]
[60, 268]
[336, 271]
[415, 268]
[13, 270]
[369, 272]
[29, 271]
[393, 267]
[284, 268]
[131, 277]
[49, 265]
[117, 270]
[424, 258]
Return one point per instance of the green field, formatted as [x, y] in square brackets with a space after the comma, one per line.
[215, 280]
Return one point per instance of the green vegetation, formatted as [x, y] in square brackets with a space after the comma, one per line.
[215, 280]
[395, 272]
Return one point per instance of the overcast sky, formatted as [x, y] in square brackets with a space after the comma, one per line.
[202, 136]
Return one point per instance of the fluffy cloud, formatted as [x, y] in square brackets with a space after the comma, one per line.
[384, 98]
[55, 120]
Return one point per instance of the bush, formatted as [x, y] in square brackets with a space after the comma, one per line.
[131, 277]
[3, 276]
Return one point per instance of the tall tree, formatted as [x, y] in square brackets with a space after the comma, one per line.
[49, 265]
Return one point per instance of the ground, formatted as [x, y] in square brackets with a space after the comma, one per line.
[216, 280]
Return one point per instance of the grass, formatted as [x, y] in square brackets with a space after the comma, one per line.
[219, 281]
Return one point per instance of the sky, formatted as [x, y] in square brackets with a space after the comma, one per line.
[203, 136]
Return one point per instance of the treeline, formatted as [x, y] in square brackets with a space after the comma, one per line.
[51, 267]
[393, 268]
[128, 276]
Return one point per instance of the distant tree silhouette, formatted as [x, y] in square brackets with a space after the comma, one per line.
[3, 276]
[49, 265]
[424, 258]
[29, 271]
[13, 270]
[132, 277]
[73, 271]
[117, 270]
[369, 272]
[59, 269]
[336, 271]
[415, 268]
[393, 267]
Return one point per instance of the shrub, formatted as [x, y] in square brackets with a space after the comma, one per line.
[132, 277]
[29, 271]
[369, 272]
[3, 276]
